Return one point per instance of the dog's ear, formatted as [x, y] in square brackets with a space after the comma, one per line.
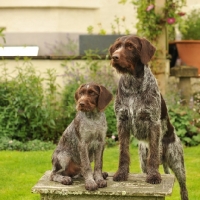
[77, 91]
[147, 51]
[104, 98]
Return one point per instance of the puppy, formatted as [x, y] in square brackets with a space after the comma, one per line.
[141, 110]
[84, 139]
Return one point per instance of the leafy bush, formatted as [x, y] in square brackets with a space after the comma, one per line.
[34, 145]
[29, 106]
[190, 26]
[111, 120]
[184, 118]
[112, 141]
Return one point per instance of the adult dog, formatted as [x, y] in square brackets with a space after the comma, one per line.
[141, 110]
[84, 139]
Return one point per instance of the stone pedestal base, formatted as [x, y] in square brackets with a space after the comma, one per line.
[134, 189]
[184, 73]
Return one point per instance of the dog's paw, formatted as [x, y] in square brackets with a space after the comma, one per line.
[105, 175]
[101, 183]
[91, 185]
[120, 176]
[66, 180]
[154, 178]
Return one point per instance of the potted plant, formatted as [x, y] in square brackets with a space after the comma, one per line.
[189, 45]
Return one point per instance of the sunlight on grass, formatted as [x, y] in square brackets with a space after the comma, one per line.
[20, 171]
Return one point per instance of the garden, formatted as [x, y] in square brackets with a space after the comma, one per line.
[35, 110]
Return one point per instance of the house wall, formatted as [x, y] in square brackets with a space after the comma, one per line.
[50, 23]
[63, 15]
[53, 24]
[68, 16]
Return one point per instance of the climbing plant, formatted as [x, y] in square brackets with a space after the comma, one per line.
[150, 23]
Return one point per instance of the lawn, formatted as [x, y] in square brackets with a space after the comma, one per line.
[21, 170]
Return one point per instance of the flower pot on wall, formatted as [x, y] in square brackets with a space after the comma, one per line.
[189, 52]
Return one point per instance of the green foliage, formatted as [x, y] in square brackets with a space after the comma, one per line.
[32, 106]
[90, 29]
[111, 120]
[2, 35]
[33, 145]
[150, 23]
[117, 27]
[69, 101]
[111, 141]
[196, 106]
[182, 119]
[190, 26]
[28, 105]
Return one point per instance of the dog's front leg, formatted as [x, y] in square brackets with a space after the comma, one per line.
[86, 169]
[153, 175]
[124, 137]
[98, 156]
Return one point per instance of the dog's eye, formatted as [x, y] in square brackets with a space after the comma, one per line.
[129, 46]
[92, 93]
[80, 93]
[117, 46]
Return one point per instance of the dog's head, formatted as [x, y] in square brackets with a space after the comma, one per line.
[91, 97]
[129, 51]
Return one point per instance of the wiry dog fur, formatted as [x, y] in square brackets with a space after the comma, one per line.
[84, 139]
[141, 110]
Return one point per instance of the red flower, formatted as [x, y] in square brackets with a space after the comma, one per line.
[171, 20]
[150, 7]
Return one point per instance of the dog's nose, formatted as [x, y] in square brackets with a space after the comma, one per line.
[115, 57]
[81, 103]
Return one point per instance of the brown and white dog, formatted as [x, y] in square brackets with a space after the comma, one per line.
[84, 139]
[141, 110]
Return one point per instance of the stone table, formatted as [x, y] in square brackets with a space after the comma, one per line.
[134, 189]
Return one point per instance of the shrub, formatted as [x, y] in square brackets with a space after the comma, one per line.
[111, 120]
[34, 145]
[184, 118]
[29, 107]
[190, 25]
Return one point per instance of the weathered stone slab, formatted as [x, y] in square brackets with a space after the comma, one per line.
[135, 189]
[184, 71]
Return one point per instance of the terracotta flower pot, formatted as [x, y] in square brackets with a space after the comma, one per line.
[189, 52]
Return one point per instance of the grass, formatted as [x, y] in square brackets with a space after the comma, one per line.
[20, 171]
